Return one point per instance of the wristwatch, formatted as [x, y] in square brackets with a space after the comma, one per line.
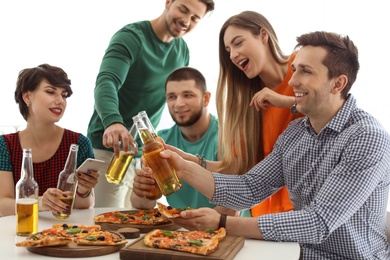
[293, 109]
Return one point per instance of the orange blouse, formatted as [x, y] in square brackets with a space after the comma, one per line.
[275, 121]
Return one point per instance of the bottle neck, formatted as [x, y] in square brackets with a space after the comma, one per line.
[71, 161]
[146, 136]
[148, 123]
[27, 171]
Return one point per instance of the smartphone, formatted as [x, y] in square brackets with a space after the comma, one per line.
[90, 164]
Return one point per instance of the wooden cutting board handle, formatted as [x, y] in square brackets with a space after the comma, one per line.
[129, 233]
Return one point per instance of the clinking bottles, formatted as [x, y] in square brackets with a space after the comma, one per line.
[26, 197]
[148, 124]
[163, 172]
[67, 182]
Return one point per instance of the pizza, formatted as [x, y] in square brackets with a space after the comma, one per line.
[134, 217]
[195, 242]
[170, 212]
[65, 234]
[41, 240]
[100, 238]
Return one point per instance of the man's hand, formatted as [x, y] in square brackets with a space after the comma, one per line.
[198, 219]
[144, 185]
[115, 133]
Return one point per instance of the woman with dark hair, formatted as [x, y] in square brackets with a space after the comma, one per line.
[41, 94]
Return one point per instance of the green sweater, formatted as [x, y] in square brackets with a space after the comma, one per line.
[207, 146]
[132, 78]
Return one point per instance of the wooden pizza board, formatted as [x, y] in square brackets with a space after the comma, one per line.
[227, 249]
[75, 250]
[142, 228]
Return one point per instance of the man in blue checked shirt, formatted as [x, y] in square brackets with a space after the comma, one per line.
[335, 163]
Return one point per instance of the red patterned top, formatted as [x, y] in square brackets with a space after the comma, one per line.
[46, 173]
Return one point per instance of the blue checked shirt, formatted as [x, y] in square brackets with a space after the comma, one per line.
[338, 181]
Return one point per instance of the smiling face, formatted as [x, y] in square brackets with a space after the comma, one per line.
[247, 51]
[185, 101]
[46, 102]
[317, 96]
[183, 15]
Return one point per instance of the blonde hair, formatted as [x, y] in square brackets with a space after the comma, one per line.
[240, 137]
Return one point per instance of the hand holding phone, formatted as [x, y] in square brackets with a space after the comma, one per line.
[90, 164]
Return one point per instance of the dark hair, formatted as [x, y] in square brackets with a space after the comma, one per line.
[188, 73]
[29, 79]
[342, 55]
[209, 4]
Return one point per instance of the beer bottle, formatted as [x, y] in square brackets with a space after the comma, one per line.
[150, 127]
[67, 182]
[26, 198]
[163, 172]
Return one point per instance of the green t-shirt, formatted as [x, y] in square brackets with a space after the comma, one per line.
[207, 146]
[132, 78]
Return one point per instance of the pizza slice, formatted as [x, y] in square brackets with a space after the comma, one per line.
[170, 212]
[111, 217]
[100, 238]
[195, 242]
[134, 217]
[41, 240]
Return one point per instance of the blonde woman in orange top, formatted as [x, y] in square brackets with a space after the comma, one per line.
[253, 100]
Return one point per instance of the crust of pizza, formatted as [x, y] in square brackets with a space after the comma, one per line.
[195, 242]
[40, 240]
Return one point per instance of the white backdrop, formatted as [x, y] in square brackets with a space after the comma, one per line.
[73, 34]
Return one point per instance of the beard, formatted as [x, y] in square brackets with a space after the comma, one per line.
[192, 120]
[173, 33]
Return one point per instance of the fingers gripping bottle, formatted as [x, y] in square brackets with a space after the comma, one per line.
[67, 182]
[26, 197]
[163, 172]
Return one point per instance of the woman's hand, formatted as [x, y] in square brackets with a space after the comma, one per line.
[51, 200]
[184, 155]
[87, 181]
[267, 97]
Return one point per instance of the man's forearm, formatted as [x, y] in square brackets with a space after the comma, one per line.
[141, 203]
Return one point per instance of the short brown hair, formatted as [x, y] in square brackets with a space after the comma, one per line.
[342, 55]
[29, 79]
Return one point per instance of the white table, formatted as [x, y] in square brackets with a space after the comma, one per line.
[253, 249]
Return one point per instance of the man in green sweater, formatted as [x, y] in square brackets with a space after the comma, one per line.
[131, 78]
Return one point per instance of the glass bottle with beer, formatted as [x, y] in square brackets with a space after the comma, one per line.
[26, 197]
[150, 127]
[116, 171]
[163, 172]
[67, 182]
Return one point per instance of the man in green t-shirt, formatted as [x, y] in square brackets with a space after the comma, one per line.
[195, 132]
[131, 78]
